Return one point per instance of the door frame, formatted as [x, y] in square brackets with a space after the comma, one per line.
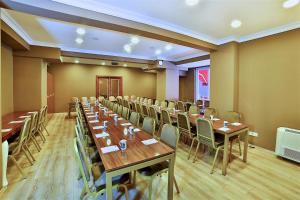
[109, 84]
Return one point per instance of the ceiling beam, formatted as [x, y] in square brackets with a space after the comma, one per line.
[105, 57]
[47, 53]
[12, 39]
[191, 60]
[118, 24]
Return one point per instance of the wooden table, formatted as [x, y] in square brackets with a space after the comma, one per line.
[136, 156]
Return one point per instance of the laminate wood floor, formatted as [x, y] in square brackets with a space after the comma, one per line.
[54, 174]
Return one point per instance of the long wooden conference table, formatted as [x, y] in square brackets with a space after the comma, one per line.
[136, 156]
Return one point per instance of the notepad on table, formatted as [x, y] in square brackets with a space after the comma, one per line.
[236, 124]
[215, 119]
[109, 149]
[224, 129]
[6, 130]
[195, 114]
[90, 113]
[16, 122]
[90, 116]
[98, 127]
[101, 135]
[120, 118]
[126, 124]
[94, 121]
[136, 130]
[150, 141]
[111, 115]
[24, 116]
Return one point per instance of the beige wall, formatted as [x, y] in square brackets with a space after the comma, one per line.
[187, 87]
[224, 78]
[161, 85]
[27, 83]
[7, 102]
[80, 80]
[269, 85]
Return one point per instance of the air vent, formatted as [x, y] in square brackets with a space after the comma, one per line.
[292, 154]
[114, 63]
[292, 131]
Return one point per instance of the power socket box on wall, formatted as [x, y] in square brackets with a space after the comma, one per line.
[254, 134]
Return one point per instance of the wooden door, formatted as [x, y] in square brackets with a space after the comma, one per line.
[109, 86]
[50, 93]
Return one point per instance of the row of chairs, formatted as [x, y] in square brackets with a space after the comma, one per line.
[93, 171]
[33, 127]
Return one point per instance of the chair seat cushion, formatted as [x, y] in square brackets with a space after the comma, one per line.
[100, 183]
[149, 171]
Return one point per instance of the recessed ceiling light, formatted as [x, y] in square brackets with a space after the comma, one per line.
[125, 65]
[135, 40]
[157, 51]
[168, 47]
[76, 61]
[79, 40]
[191, 2]
[102, 63]
[236, 23]
[80, 31]
[290, 3]
[127, 48]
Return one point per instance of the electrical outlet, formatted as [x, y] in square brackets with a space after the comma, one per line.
[254, 134]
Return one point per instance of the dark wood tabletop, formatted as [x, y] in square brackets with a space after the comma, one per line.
[15, 128]
[136, 151]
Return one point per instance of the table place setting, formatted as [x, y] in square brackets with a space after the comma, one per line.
[149, 141]
[126, 124]
[101, 135]
[94, 121]
[112, 115]
[120, 118]
[90, 113]
[136, 130]
[109, 149]
[6, 130]
[236, 124]
[225, 129]
[91, 116]
[98, 127]
[16, 122]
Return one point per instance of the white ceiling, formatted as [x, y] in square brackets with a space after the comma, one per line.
[48, 32]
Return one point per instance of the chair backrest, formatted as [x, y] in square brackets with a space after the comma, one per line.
[193, 109]
[145, 110]
[93, 100]
[126, 98]
[45, 113]
[149, 102]
[23, 135]
[84, 99]
[119, 111]
[125, 113]
[209, 111]
[153, 114]
[138, 99]
[111, 98]
[149, 125]
[232, 116]
[145, 101]
[199, 102]
[163, 104]
[206, 104]
[134, 107]
[171, 105]
[188, 105]
[132, 97]
[74, 99]
[139, 109]
[157, 103]
[115, 108]
[166, 119]
[101, 98]
[134, 118]
[141, 100]
[183, 124]
[170, 135]
[83, 168]
[126, 103]
[181, 106]
[205, 132]
[33, 123]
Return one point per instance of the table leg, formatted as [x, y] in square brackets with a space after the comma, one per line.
[108, 186]
[245, 146]
[225, 155]
[171, 178]
[4, 163]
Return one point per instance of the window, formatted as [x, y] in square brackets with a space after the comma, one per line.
[202, 83]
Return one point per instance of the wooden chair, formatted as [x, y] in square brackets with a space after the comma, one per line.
[193, 109]
[125, 113]
[208, 112]
[188, 105]
[184, 126]
[145, 111]
[181, 106]
[134, 118]
[169, 136]
[149, 126]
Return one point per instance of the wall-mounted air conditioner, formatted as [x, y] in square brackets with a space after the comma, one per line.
[288, 143]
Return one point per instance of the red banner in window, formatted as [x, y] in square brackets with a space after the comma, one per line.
[203, 76]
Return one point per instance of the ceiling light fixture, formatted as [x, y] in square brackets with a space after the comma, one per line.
[236, 23]
[76, 61]
[127, 48]
[191, 2]
[168, 47]
[158, 52]
[80, 31]
[125, 65]
[103, 63]
[135, 40]
[290, 3]
[79, 40]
